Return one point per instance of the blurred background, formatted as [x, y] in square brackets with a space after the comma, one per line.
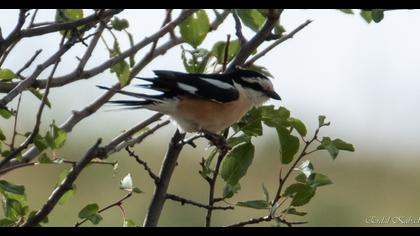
[364, 78]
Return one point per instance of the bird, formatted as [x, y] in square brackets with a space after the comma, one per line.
[206, 103]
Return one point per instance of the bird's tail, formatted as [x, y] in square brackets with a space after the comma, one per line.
[133, 104]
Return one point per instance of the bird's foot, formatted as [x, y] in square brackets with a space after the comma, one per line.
[217, 140]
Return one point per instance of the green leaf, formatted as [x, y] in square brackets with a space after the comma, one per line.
[122, 69]
[131, 58]
[137, 190]
[229, 190]
[127, 183]
[366, 15]
[307, 168]
[255, 204]
[298, 125]
[194, 29]
[5, 222]
[266, 194]
[342, 145]
[260, 69]
[11, 188]
[2, 136]
[197, 60]
[347, 11]
[67, 195]
[289, 145]
[250, 124]
[55, 137]
[5, 113]
[275, 117]
[7, 74]
[377, 15]
[317, 180]
[66, 15]
[129, 223]
[251, 18]
[44, 159]
[235, 165]
[321, 121]
[293, 211]
[279, 29]
[233, 141]
[327, 144]
[62, 176]
[333, 146]
[40, 142]
[219, 48]
[300, 193]
[301, 178]
[90, 212]
[39, 95]
[14, 209]
[119, 24]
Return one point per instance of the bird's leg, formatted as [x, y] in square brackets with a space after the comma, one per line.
[217, 140]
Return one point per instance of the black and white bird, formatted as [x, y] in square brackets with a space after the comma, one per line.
[202, 102]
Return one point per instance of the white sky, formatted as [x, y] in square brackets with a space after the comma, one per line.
[364, 77]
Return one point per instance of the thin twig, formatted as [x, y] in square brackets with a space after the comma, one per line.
[265, 219]
[238, 28]
[226, 55]
[144, 164]
[31, 22]
[190, 202]
[12, 143]
[115, 204]
[35, 130]
[258, 39]
[276, 43]
[28, 63]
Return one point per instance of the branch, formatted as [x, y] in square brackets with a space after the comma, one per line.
[238, 28]
[115, 204]
[276, 43]
[127, 134]
[265, 219]
[259, 38]
[140, 138]
[77, 74]
[168, 166]
[31, 32]
[64, 186]
[187, 201]
[29, 63]
[144, 164]
[35, 130]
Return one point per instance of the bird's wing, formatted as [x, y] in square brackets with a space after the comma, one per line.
[215, 87]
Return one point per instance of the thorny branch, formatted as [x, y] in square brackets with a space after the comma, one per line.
[184, 201]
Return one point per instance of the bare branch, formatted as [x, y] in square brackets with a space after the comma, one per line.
[238, 28]
[31, 32]
[276, 43]
[35, 130]
[64, 186]
[184, 201]
[140, 138]
[167, 168]
[29, 63]
[265, 219]
[144, 164]
[251, 45]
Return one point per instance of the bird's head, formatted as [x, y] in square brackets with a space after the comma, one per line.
[257, 86]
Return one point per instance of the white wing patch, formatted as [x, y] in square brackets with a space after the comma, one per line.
[187, 88]
[218, 83]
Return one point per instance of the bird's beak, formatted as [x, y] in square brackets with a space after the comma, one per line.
[273, 95]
